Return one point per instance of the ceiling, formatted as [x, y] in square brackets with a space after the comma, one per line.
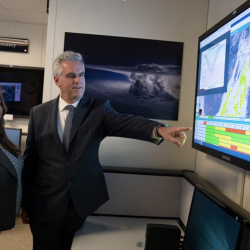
[24, 11]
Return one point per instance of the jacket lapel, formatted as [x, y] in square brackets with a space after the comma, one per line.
[52, 114]
[81, 111]
[5, 162]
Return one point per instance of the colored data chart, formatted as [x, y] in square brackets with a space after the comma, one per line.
[230, 138]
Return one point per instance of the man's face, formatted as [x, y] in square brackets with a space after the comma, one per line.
[71, 82]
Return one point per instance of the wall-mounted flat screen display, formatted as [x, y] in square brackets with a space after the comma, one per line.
[22, 88]
[222, 101]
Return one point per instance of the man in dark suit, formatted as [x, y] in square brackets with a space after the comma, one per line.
[63, 181]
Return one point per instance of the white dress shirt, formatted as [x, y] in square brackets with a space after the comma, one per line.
[62, 115]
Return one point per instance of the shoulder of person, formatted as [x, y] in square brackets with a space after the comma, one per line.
[99, 100]
[44, 105]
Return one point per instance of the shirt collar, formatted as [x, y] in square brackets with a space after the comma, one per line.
[62, 104]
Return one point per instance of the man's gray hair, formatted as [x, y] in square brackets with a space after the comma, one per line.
[65, 56]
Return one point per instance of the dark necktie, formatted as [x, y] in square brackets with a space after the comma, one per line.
[68, 125]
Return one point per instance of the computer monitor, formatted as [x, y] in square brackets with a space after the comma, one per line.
[22, 88]
[222, 100]
[212, 225]
[14, 135]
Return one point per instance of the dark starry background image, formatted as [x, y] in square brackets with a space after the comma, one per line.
[138, 76]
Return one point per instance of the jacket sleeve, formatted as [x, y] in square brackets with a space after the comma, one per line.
[127, 125]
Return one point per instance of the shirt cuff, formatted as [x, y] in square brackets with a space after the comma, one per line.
[157, 140]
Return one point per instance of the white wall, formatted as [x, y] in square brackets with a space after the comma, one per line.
[246, 193]
[230, 180]
[143, 195]
[170, 20]
[218, 9]
[187, 191]
[36, 34]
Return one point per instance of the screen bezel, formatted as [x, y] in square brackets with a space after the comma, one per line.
[224, 207]
[244, 164]
[15, 129]
[40, 94]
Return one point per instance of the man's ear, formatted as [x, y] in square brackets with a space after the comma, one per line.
[56, 80]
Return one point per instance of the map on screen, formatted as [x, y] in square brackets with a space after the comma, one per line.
[11, 91]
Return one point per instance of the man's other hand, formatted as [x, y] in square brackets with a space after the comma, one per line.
[24, 216]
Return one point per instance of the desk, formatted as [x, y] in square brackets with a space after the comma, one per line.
[114, 233]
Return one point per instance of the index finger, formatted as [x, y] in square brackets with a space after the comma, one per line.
[179, 129]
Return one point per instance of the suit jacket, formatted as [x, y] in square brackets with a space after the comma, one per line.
[51, 177]
[8, 193]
